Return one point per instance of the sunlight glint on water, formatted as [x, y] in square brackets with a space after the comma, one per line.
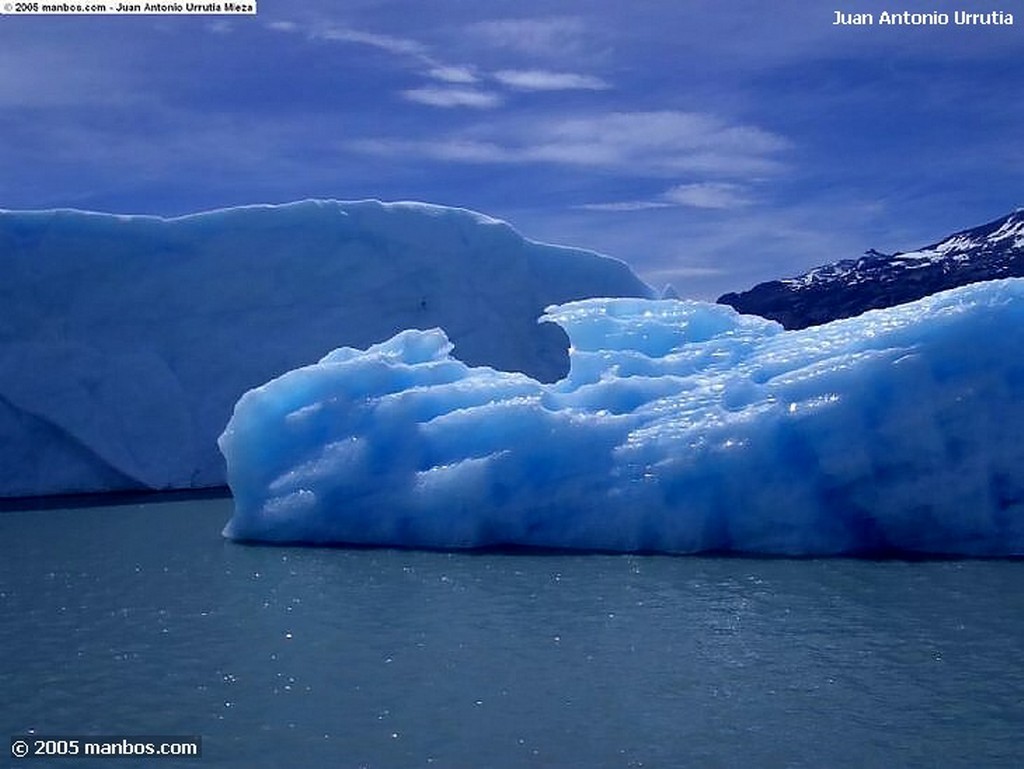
[142, 620]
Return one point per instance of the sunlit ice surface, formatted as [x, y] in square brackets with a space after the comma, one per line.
[681, 427]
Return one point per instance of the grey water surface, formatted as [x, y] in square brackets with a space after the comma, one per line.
[142, 620]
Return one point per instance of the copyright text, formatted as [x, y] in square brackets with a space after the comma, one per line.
[29, 746]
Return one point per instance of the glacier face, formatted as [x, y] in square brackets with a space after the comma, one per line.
[125, 340]
[681, 427]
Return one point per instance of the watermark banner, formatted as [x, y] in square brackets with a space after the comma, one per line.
[51, 746]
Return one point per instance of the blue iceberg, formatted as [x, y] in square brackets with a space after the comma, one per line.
[126, 340]
[681, 427]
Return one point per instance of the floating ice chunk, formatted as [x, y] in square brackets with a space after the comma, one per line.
[681, 427]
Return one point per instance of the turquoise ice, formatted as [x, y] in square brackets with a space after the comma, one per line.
[681, 427]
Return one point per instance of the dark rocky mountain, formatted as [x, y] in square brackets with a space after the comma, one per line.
[852, 286]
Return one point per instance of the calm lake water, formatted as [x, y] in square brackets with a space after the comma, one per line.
[141, 620]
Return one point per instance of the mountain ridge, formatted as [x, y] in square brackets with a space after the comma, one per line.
[877, 280]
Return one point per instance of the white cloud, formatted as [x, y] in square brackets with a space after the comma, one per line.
[665, 142]
[418, 56]
[625, 205]
[453, 97]
[396, 45]
[283, 26]
[672, 274]
[638, 144]
[542, 80]
[450, 74]
[713, 195]
[708, 195]
[560, 36]
[461, 151]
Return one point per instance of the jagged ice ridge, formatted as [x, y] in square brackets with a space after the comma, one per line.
[681, 427]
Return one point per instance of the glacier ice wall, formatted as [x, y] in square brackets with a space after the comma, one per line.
[681, 427]
[125, 340]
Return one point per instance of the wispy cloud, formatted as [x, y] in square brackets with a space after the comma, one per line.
[452, 97]
[450, 74]
[446, 150]
[664, 143]
[283, 26]
[396, 45]
[671, 274]
[708, 195]
[625, 205]
[542, 80]
[644, 144]
[425, 63]
[561, 35]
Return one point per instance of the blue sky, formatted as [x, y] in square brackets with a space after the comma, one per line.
[709, 144]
